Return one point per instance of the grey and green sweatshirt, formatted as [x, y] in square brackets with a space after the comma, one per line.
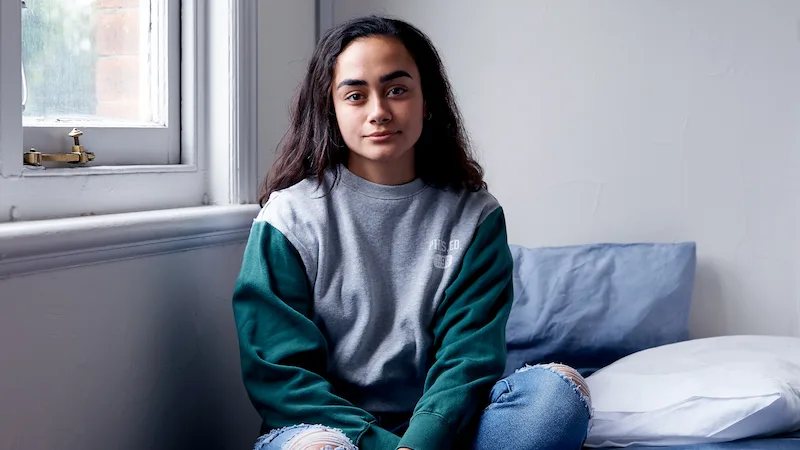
[356, 299]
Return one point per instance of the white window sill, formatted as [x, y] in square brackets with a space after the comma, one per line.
[45, 245]
[33, 171]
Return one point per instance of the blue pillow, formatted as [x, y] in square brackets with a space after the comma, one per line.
[588, 305]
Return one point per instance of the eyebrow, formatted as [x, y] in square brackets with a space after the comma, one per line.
[388, 77]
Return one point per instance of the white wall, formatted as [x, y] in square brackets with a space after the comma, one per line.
[142, 354]
[126, 355]
[288, 31]
[639, 120]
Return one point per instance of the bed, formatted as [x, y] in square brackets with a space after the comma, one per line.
[619, 313]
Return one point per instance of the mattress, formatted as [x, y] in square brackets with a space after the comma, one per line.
[786, 442]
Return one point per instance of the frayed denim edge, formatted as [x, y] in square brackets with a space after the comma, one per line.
[586, 403]
[269, 437]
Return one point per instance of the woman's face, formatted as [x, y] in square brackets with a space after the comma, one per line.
[377, 97]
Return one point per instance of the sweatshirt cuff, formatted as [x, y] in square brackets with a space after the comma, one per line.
[427, 431]
[377, 438]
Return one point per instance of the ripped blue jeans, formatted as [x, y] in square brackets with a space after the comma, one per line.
[542, 407]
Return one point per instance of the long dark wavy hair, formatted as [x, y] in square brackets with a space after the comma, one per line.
[313, 144]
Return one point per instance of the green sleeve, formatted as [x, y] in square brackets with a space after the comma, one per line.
[469, 342]
[283, 353]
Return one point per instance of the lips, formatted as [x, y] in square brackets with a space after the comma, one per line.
[378, 134]
[381, 136]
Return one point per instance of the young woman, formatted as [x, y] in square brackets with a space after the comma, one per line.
[375, 288]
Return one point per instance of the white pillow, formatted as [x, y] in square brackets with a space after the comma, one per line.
[698, 391]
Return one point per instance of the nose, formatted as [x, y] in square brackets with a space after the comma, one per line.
[379, 114]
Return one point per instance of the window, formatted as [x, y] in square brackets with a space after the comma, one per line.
[144, 80]
[108, 67]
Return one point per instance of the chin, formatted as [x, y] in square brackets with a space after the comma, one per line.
[380, 153]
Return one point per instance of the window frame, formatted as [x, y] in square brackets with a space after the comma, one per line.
[219, 140]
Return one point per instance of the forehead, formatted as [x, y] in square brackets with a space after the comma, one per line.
[370, 58]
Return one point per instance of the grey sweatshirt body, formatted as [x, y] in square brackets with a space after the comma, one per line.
[378, 260]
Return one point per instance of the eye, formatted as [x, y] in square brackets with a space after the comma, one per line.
[395, 91]
[354, 97]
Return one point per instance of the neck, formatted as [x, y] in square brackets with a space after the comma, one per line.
[389, 173]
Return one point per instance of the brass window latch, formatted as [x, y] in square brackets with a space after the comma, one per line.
[78, 155]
